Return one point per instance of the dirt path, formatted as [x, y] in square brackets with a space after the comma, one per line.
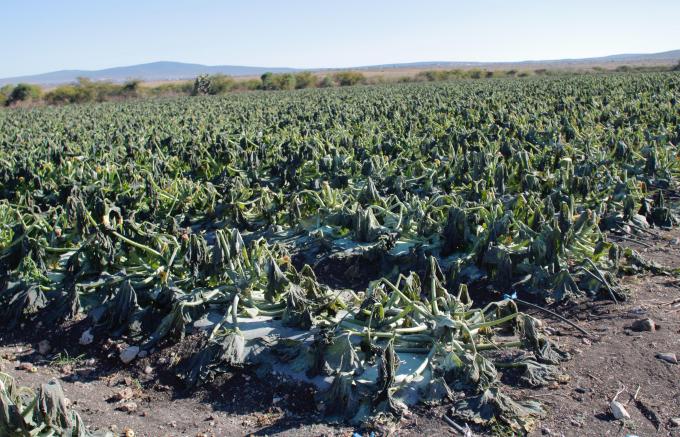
[616, 358]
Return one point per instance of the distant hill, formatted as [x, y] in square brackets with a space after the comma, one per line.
[668, 57]
[160, 71]
[154, 71]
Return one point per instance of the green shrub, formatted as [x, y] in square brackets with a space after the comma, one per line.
[285, 81]
[24, 92]
[201, 85]
[65, 94]
[249, 85]
[407, 79]
[439, 75]
[305, 80]
[430, 76]
[84, 90]
[212, 85]
[5, 92]
[222, 84]
[131, 89]
[326, 82]
[272, 81]
[349, 78]
[172, 89]
[475, 74]
[376, 79]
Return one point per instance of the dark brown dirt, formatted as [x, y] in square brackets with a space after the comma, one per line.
[616, 358]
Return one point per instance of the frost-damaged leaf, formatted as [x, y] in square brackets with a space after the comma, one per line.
[228, 350]
[233, 348]
[342, 399]
[384, 401]
[11, 256]
[370, 194]
[120, 310]
[638, 263]
[564, 286]
[277, 283]
[24, 414]
[469, 371]
[25, 301]
[493, 406]
[544, 350]
[433, 282]
[539, 374]
[172, 325]
[295, 353]
[298, 311]
[341, 355]
[197, 256]
[455, 231]
[51, 408]
[498, 261]
[661, 215]
[367, 229]
[322, 339]
[436, 392]
[12, 422]
[65, 306]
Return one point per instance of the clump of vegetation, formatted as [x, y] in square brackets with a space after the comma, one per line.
[5, 92]
[305, 79]
[150, 216]
[275, 82]
[21, 93]
[43, 413]
[349, 78]
[213, 85]
[86, 91]
[326, 82]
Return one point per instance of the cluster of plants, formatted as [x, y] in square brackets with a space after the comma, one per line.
[23, 92]
[221, 84]
[369, 219]
[85, 90]
[475, 73]
[43, 413]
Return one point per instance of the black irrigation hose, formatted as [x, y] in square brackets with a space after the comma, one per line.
[552, 313]
[632, 240]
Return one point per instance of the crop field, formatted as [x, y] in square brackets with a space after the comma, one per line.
[381, 245]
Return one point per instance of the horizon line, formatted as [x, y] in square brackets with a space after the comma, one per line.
[533, 60]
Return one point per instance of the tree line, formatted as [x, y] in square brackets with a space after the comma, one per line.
[85, 90]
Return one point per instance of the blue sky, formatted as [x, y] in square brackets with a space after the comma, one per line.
[44, 35]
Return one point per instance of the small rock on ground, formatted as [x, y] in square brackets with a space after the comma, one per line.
[669, 357]
[644, 325]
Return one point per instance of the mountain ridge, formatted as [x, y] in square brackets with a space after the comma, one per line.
[170, 70]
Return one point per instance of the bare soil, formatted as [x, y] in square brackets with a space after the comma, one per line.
[615, 358]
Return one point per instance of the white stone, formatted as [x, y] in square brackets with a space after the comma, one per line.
[129, 353]
[668, 357]
[86, 338]
[618, 410]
